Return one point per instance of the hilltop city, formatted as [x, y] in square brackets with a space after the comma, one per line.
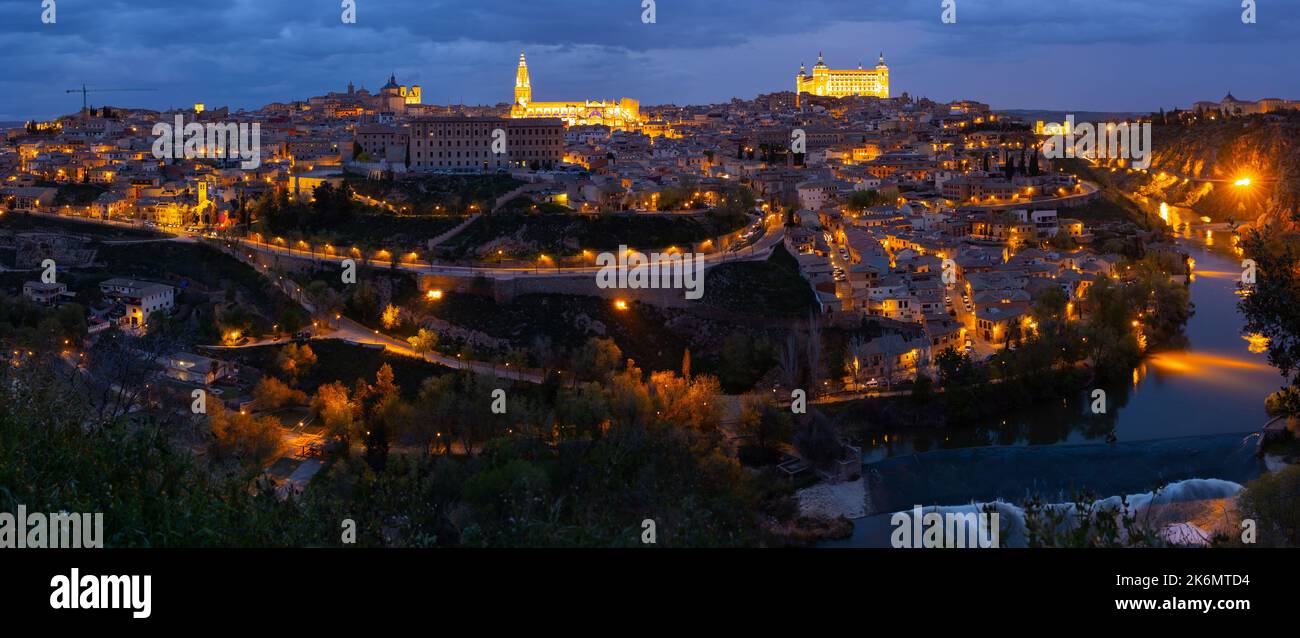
[392, 284]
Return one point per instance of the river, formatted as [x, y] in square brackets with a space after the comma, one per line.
[1190, 414]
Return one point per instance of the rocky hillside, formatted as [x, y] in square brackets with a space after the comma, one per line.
[1264, 148]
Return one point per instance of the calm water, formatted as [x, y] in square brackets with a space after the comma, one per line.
[1190, 414]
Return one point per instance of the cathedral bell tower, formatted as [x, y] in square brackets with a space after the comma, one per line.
[523, 87]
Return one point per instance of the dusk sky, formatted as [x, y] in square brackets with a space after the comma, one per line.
[1115, 55]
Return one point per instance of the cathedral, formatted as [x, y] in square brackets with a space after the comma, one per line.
[394, 97]
[623, 114]
[830, 82]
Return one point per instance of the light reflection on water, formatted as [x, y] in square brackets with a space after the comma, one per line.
[1203, 365]
[1216, 384]
[1209, 395]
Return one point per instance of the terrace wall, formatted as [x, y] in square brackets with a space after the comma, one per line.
[506, 289]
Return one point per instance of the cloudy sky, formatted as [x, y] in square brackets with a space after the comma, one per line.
[1117, 55]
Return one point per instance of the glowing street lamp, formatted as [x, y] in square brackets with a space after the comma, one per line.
[1241, 183]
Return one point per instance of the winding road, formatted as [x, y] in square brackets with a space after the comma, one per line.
[353, 332]
[760, 250]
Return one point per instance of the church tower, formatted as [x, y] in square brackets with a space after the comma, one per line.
[523, 87]
[882, 73]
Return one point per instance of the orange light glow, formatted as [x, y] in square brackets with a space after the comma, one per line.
[1201, 363]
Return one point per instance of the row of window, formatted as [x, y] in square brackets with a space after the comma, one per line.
[484, 130]
[486, 154]
[482, 142]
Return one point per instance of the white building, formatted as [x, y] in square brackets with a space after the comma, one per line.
[192, 368]
[139, 299]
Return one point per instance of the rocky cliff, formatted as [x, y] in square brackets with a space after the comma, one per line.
[1197, 165]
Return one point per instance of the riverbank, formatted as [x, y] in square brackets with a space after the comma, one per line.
[849, 500]
[1185, 414]
[1191, 512]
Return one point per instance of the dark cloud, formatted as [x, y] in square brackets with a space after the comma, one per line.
[1108, 54]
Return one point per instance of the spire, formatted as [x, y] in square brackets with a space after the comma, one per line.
[523, 85]
[882, 59]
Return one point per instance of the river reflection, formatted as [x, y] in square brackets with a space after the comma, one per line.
[1189, 413]
[1215, 384]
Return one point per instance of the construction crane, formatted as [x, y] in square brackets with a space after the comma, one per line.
[83, 91]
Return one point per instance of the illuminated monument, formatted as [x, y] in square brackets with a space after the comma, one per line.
[623, 114]
[830, 82]
[396, 97]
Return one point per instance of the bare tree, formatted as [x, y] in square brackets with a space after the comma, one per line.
[813, 349]
[888, 369]
[859, 357]
[123, 368]
[789, 360]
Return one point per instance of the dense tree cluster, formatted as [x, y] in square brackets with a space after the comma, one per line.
[25, 325]
[328, 208]
[1272, 309]
[1121, 320]
[582, 464]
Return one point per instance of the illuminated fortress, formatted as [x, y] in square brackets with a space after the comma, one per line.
[830, 82]
[623, 114]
